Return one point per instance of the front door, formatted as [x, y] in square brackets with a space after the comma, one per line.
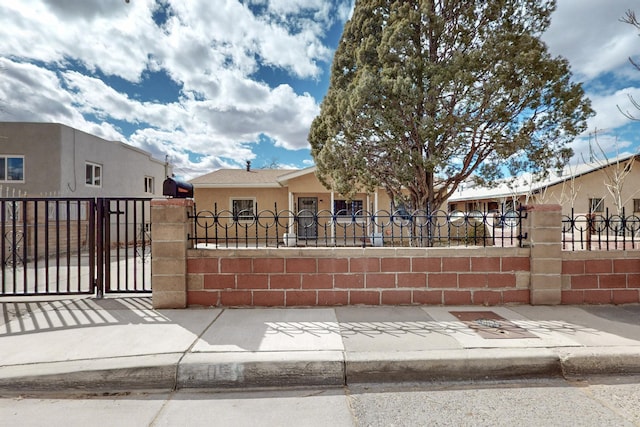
[307, 212]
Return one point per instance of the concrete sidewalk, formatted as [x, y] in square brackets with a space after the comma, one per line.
[119, 344]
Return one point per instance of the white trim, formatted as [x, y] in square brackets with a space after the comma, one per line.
[253, 207]
[6, 171]
[93, 174]
[333, 225]
[153, 184]
[291, 204]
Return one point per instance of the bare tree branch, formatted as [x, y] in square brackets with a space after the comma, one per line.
[631, 19]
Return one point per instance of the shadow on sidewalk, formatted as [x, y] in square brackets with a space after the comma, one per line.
[17, 318]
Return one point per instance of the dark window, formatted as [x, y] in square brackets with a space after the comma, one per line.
[243, 208]
[596, 205]
[348, 208]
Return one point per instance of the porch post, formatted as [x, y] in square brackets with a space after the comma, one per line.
[333, 223]
[291, 228]
[289, 237]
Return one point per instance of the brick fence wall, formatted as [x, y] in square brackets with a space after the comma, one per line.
[538, 273]
[601, 277]
[371, 276]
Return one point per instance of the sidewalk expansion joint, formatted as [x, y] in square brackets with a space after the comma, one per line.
[188, 350]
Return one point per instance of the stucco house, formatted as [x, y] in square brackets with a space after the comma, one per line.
[589, 187]
[265, 192]
[51, 159]
[54, 165]
[247, 192]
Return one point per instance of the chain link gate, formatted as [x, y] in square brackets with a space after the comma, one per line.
[67, 246]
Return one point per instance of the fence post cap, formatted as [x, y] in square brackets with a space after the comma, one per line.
[172, 202]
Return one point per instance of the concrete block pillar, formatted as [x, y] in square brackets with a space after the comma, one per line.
[543, 226]
[170, 227]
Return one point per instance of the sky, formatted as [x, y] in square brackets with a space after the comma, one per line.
[210, 84]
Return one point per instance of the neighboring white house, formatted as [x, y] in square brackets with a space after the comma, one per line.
[51, 159]
[590, 187]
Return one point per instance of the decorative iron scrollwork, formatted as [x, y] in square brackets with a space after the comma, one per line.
[14, 243]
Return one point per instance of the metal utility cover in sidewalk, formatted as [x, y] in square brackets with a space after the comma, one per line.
[489, 325]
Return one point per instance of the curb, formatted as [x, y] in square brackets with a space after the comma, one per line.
[443, 365]
[166, 372]
[148, 372]
[600, 361]
[264, 369]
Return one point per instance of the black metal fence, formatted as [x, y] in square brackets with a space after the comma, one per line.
[61, 246]
[361, 228]
[600, 231]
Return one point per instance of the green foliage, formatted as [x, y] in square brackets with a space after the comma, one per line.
[425, 94]
[470, 231]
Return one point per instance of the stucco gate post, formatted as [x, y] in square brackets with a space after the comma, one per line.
[543, 226]
[170, 226]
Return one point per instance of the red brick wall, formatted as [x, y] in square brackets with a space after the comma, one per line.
[340, 276]
[601, 277]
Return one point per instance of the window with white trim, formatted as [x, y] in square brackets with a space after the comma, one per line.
[596, 205]
[11, 168]
[243, 209]
[93, 175]
[149, 184]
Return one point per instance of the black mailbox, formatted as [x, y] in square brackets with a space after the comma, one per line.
[178, 189]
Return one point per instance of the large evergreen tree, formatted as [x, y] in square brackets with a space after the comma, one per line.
[425, 94]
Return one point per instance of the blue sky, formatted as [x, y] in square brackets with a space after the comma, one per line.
[213, 83]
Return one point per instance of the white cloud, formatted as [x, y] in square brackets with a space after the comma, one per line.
[210, 49]
[112, 39]
[29, 92]
[215, 50]
[32, 93]
[600, 145]
[278, 113]
[590, 35]
[609, 106]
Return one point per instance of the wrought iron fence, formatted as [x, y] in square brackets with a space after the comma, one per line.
[355, 228]
[56, 246]
[600, 231]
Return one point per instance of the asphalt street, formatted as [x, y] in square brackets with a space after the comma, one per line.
[593, 401]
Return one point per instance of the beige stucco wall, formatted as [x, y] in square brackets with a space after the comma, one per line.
[306, 183]
[267, 201]
[287, 198]
[593, 185]
[570, 195]
[265, 198]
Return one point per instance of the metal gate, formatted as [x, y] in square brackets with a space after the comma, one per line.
[65, 246]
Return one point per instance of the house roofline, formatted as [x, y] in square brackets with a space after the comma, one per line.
[296, 174]
[539, 186]
[252, 185]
